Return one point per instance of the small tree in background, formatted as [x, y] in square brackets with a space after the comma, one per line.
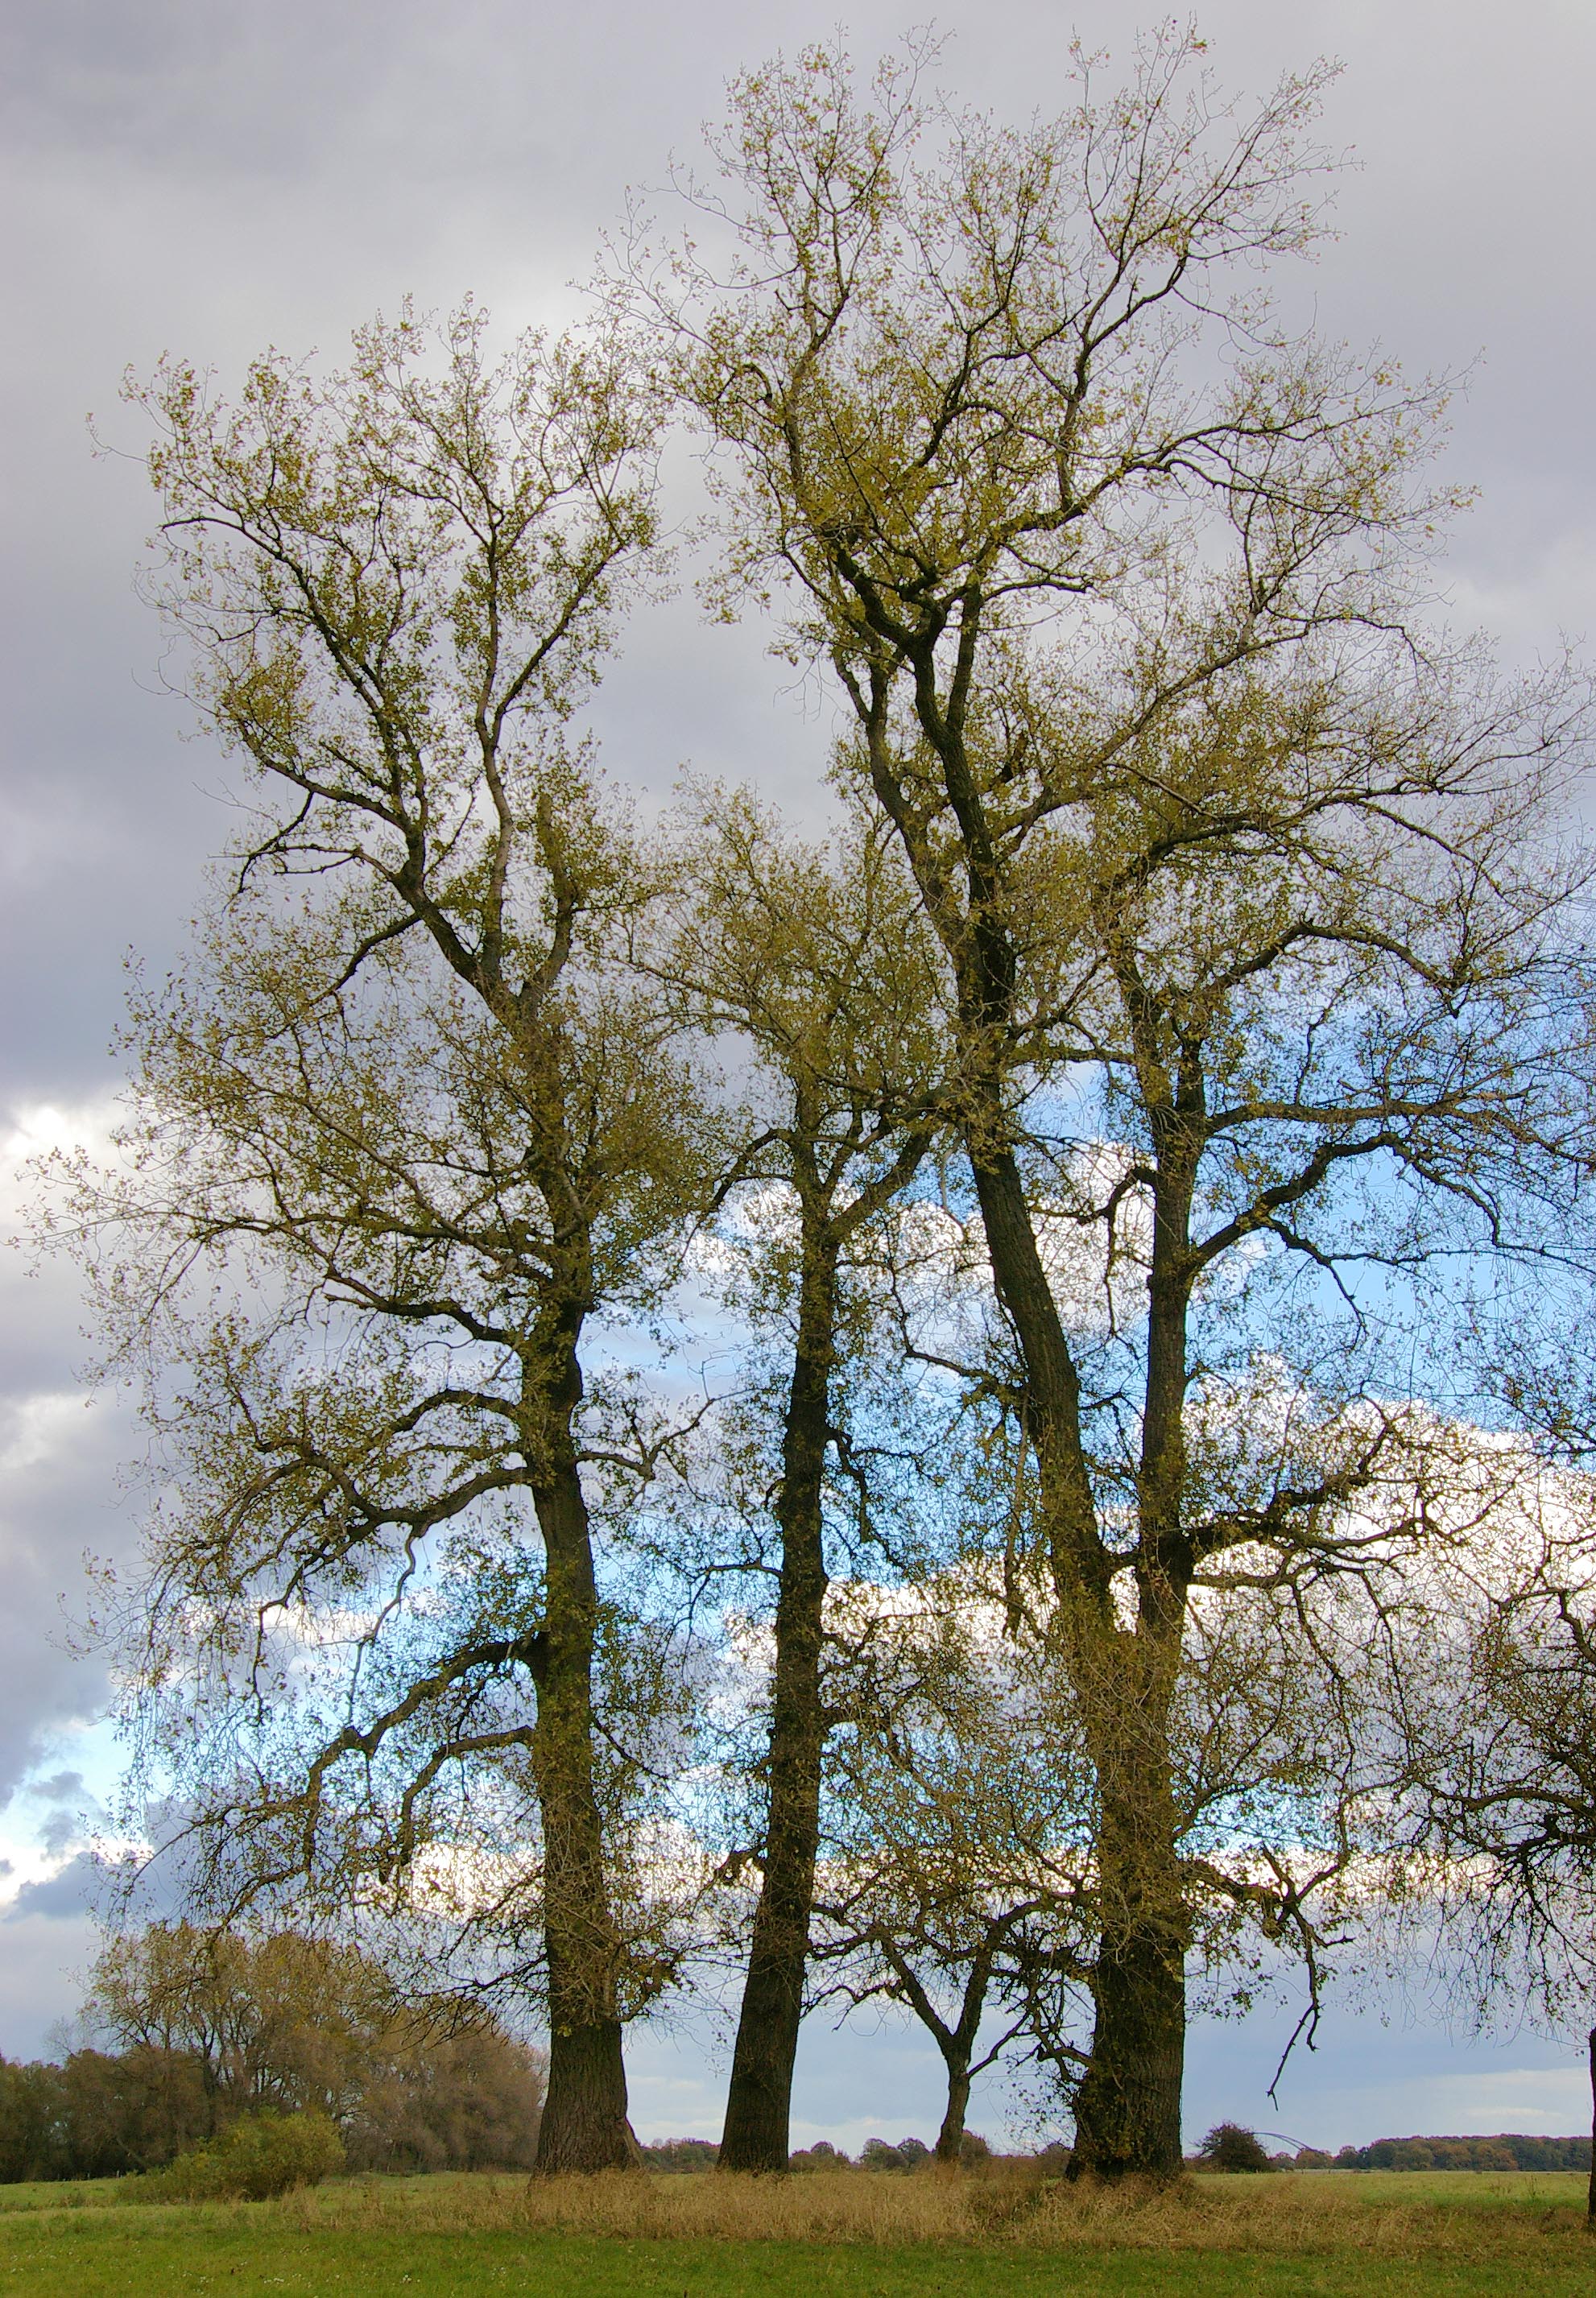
[1231, 2146]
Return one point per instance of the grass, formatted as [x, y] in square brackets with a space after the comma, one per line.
[826, 2235]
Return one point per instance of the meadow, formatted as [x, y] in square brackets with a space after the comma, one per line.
[1005, 2234]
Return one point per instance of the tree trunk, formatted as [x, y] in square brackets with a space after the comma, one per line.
[1128, 2108]
[584, 2125]
[950, 2138]
[1591, 2192]
[759, 2098]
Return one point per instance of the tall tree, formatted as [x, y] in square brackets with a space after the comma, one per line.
[1118, 579]
[403, 1142]
[820, 964]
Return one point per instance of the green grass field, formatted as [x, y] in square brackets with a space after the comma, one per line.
[836, 2235]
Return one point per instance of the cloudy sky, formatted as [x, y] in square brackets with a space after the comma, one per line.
[206, 178]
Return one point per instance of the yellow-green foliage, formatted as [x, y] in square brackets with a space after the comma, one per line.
[256, 2157]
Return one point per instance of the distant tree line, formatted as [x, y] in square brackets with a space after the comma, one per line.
[671, 2155]
[212, 2029]
[1509, 2150]
[1229, 2146]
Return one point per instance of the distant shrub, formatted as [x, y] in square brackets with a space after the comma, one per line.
[1313, 2158]
[907, 2156]
[257, 2156]
[674, 2155]
[973, 2148]
[822, 2156]
[1231, 2146]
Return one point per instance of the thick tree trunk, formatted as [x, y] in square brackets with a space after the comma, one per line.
[758, 2100]
[584, 2125]
[1128, 2109]
[1128, 2105]
[950, 2138]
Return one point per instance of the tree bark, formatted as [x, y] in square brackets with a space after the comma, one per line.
[950, 2138]
[1128, 2108]
[584, 2125]
[755, 2134]
[1591, 2193]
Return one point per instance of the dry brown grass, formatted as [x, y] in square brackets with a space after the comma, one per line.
[1457, 2214]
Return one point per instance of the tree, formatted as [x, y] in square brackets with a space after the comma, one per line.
[282, 2023]
[404, 1141]
[132, 2110]
[470, 2100]
[1230, 2146]
[1494, 1831]
[960, 1876]
[820, 964]
[1225, 856]
[957, 1857]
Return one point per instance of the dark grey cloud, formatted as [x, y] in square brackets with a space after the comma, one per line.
[68, 1895]
[60, 1787]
